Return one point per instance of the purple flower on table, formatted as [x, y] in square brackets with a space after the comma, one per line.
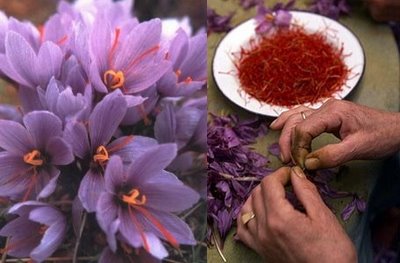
[218, 23]
[330, 8]
[37, 232]
[131, 68]
[31, 154]
[271, 19]
[27, 67]
[189, 58]
[356, 204]
[93, 145]
[127, 255]
[138, 203]
[274, 149]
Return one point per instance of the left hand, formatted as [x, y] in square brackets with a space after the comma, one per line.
[280, 233]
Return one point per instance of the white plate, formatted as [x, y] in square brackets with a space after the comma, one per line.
[223, 63]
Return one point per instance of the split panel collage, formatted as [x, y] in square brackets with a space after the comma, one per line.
[194, 131]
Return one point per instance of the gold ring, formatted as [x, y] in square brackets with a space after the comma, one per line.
[247, 217]
[303, 115]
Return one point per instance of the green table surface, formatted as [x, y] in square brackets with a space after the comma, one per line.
[379, 88]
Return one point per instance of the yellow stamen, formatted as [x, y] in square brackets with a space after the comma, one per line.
[101, 155]
[33, 158]
[133, 198]
[113, 79]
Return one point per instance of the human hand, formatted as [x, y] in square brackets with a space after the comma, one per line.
[280, 233]
[365, 133]
[384, 10]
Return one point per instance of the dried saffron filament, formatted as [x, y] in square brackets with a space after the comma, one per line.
[133, 198]
[291, 66]
[33, 158]
[101, 156]
[114, 80]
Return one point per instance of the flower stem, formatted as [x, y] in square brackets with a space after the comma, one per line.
[78, 241]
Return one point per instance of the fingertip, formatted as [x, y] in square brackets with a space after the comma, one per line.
[275, 125]
[312, 163]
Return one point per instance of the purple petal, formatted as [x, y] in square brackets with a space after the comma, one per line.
[105, 118]
[178, 48]
[13, 175]
[194, 65]
[92, 185]
[151, 163]
[42, 125]
[159, 194]
[30, 99]
[48, 62]
[114, 175]
[133, 149]
[282, 18]
[165, 125]
[108, 256]
[21, 57]
[76, 135]
[173, 224]
[348, 210]
[48, 182]
[157, 249]
[52, 238]
[77, 212]
[106, 211]
[14, 138]
[100, 40]
[128, 230]
[60, 151]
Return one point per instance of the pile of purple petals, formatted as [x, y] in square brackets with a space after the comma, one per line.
[112, 110]
[234, 168]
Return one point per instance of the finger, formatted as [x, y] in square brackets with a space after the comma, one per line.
[303, 134]
[307, 193]
[242, 231]
[331, 155]
[259, 211]
[281, 120]
[285, 138]
[272, 188]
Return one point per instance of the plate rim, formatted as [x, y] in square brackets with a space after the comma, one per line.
[297, 105]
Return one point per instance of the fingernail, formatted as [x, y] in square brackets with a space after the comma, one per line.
[272, 123]
[297, 171]
[312, 163]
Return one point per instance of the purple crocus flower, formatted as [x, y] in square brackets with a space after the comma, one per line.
[37, 232]
[27, 67]
[270, 19]
[136, 206]
[31, 155]
[93, 145]
[131, 68]
[127, 255]
[189, 59]
[218, 23]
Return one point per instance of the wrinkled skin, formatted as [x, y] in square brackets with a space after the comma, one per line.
[279, 233]
[365, 133]
[384, 10]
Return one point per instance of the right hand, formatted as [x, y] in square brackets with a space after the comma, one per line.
[365, 133]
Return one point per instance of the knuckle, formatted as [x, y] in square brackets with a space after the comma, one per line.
[275, 225]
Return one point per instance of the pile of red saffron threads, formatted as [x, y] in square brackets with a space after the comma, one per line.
[292, 66]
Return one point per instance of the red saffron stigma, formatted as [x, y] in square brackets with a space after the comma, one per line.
[291, 67]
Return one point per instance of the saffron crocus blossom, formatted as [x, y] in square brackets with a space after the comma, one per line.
[136, 206]
[189, 59]
[37, 232]
[271, 19]
[32, 152]
[26, 66]
[131, 68]
[93, 145]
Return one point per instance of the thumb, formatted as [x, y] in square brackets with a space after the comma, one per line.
[330, 155]
[306, 192]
